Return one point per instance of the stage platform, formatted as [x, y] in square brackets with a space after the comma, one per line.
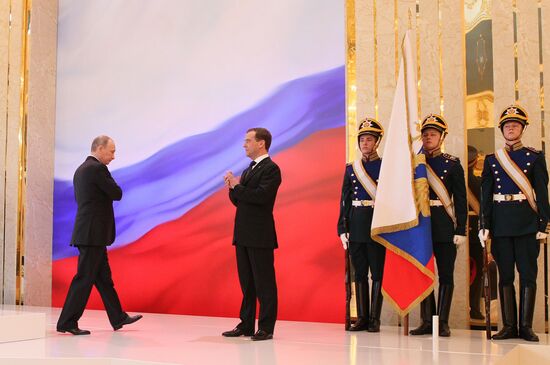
[190, 340]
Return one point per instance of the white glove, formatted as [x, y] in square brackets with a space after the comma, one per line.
[541, 235]
[344, 237]
[483, 236]
[459, 240]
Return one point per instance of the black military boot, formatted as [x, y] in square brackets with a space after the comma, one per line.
[376, 307]
[509, 314]
[427, 309]
[526, 308]
[362, 300]
[444, 300]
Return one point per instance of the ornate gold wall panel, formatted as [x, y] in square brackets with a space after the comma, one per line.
[40, 153]
[453, 75]
[27, 119]
[545, 52]
[351, 79]
[545, 25]
[528, 88]
[453, 85]
[4, 46]
[385, 19]
[365, 61]
[11, 120]
[429, 57]
[503, 59]
[528, 68]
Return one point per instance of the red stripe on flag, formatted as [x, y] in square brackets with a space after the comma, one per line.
[403, 281]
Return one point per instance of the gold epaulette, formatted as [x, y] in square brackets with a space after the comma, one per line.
[450, 157]
[534, 150]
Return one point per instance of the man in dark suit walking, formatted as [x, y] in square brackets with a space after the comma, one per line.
[94, 230]
[254, 236]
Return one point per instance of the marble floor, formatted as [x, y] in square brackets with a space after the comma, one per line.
[196, 340]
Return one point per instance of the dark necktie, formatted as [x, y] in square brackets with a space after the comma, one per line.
[247, 171]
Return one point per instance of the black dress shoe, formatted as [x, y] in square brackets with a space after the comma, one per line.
[360, 325]
[444, 330]
[527, 334]
[374, 326]
[128, 320]
[74, 331]
[262, 335]
[424, 329]
[505, 333]
[237, 332]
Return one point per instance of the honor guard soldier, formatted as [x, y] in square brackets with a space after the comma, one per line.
[448, 216]
[354, 225]
[515, 212]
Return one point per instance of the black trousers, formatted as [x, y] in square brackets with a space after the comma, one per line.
[445, 256]
[365, 255]
[93, 269]
[520, 251]
[257, 278]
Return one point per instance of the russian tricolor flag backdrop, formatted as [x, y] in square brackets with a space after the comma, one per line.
[177, 84]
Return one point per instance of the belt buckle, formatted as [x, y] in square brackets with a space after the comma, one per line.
[508, 197]
[365, 203]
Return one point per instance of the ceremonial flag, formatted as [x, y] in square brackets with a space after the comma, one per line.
[401, 220]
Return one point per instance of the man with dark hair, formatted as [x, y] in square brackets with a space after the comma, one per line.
[254, 236]
[94, 229]
[262, 134]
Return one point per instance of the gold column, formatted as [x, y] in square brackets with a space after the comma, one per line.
[429, 57]
[452, 101]
[22, 176]
[528, 68]
[13, 66]
[365, 63]
[385, 40]
[544, 34]
[503, 60]
[351, 81]
[5, 26]
[528, 87]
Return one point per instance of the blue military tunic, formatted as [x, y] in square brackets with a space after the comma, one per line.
[359, 218]
[451, 173]
[515, 217]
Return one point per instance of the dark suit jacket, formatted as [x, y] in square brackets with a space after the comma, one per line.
[254, 198]
[94, 190]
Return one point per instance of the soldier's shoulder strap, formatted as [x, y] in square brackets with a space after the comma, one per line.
[534, 150]
[450, 157]
[441, 191]
[364, 178]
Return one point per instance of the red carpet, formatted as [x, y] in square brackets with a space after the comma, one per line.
[188, 266]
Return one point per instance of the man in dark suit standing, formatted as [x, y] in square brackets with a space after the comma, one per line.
[254, 236]
[94, 230]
